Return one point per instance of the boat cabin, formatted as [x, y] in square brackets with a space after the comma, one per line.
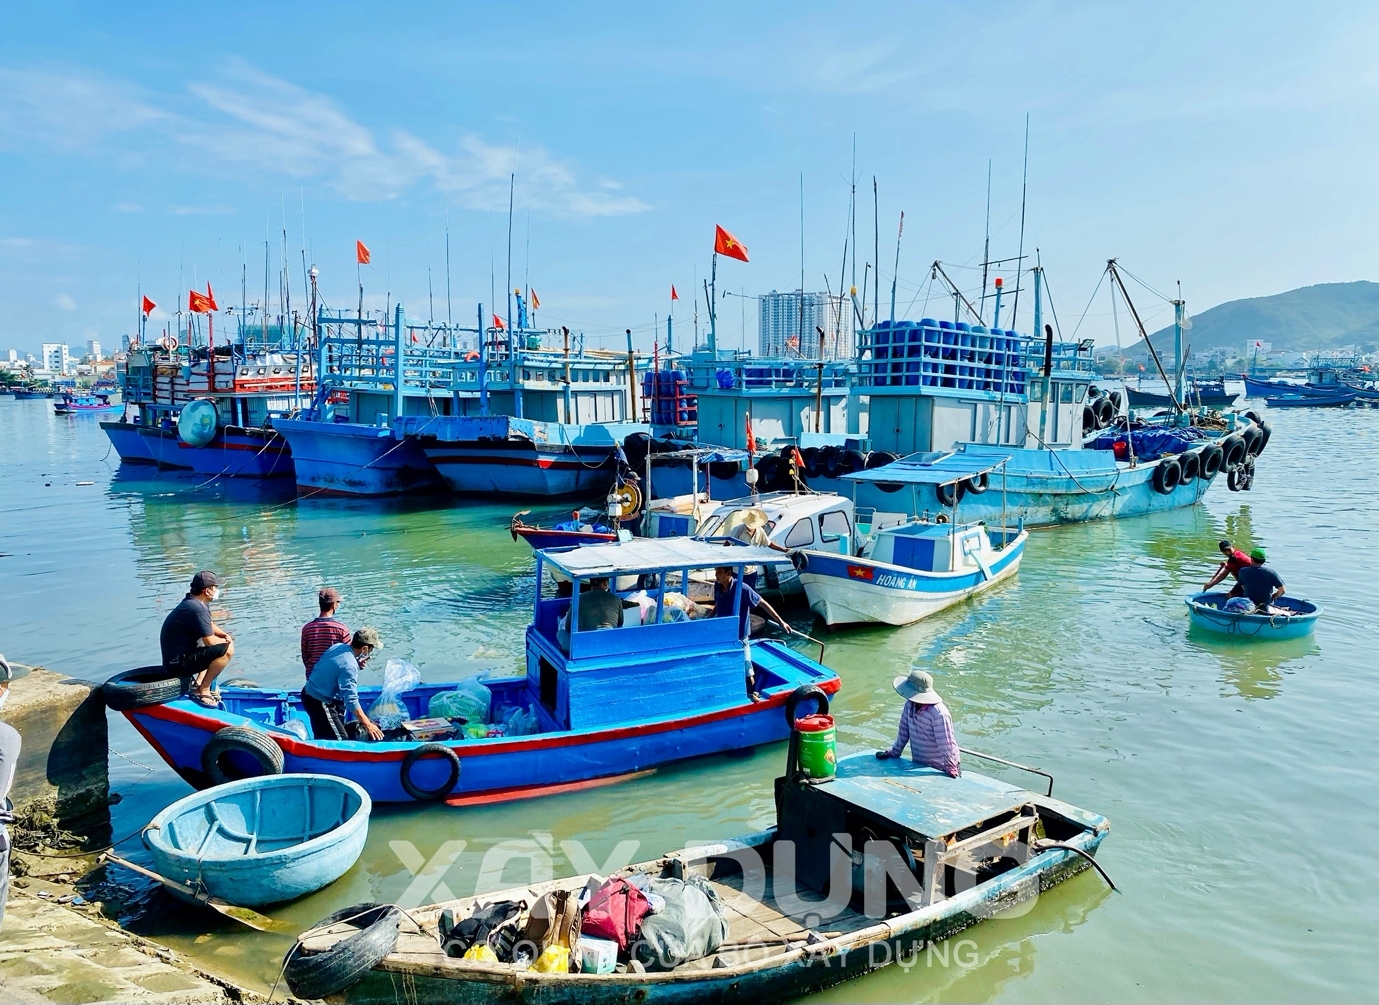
[665, 660]
[824, 521]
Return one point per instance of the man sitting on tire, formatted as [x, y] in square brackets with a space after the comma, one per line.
[193, 644]
[332, 688]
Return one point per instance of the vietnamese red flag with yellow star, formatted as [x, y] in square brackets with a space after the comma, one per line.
[201, 303]
[725, 244]
[361, 253]
[535, 300]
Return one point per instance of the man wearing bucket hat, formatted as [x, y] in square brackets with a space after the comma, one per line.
[925, 725]
[1261, 585]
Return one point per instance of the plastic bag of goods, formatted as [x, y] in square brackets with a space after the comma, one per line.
[469, 701]
[399, 676]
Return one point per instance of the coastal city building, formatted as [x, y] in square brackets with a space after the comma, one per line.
[93, 350]
[56, 357]
[786, 330]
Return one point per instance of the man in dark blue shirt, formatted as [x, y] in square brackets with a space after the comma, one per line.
[1261, 585]
[724, 583]
[193, 644]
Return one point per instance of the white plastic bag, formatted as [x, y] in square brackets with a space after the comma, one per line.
[388, 711]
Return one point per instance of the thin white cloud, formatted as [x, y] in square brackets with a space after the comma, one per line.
[200, 210]
[64, 302]
[128, 207]
[242, 117]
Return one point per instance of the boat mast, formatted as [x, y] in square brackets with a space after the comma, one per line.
[1178, 361]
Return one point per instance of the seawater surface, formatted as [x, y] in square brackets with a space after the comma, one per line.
[1240, 779]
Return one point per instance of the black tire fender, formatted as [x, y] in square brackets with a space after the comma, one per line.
[853, 460]
[1268, 431]
[768, 470]
[812, 466]
[416, 754]
[977, 484]
[1189, 467]
[1233, 452]
[244, 741]
[1089, 421]
[1212, 459]
[949, 494]
[1254, 441]
[1167, 475]
[832, 462]
[799, 696]
[314, 975]
[800, 561]
[1105, 412]
[142, 687]
[879, 459]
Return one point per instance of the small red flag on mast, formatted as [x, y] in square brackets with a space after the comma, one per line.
[498, 323]
[535, 300]
[673, 294]
[148, 306]
[361, 253]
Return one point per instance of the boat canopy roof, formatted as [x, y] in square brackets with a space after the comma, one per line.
[702, 454]
[931, 468]
[652, 555]
[921, 799]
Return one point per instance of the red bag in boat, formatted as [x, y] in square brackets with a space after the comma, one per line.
[615, 912]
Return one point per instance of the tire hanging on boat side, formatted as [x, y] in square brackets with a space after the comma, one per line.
[950, 493]
[439, 792]
[237, 743]
[1189, 467]
[1167, 476]
[314, 975]
[1212, 459]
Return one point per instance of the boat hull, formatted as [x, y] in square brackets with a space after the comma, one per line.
[1310, 400]
[242, 857]
[1152, 399]
[904, 937]
[235, 452]
[1206, 615]
[522, 469]
[343, 458]
[499, 768]
[845, 591]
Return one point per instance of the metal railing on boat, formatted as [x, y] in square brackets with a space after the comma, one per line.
[1012, 764]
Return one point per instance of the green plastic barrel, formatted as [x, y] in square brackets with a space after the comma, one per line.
[818, 746]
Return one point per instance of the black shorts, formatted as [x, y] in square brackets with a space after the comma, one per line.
[327, 718]
[198, 659]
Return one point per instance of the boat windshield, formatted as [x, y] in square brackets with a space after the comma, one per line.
[723, 526]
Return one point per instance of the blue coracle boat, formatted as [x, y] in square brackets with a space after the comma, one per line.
[1209, 614]
[604, 705]
[262, 840]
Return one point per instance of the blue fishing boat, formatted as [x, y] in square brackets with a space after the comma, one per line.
[594, 706]
[1291, 618]
[1310, 398]
[31, 393]
[75, 404]
[877, 866]
[904, 572]
[262, 840]
[1207, 394]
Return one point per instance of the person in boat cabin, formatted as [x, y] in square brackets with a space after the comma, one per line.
[1235, 561]
[599, 607]
[193, 644]
[324, 631]
[926, 725]
[1260, 584]
[724, 582]
[755, 529]
[332, 688]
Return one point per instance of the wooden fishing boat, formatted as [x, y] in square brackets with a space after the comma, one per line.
[596, 706]
[262, 840]
[1209, 614]
[1312, 399]
[906, 855]
[906, 571]
[70, 404]
[585, 526]
[1207, 395]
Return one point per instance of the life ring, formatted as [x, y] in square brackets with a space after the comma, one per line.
[471, 356]
[224, 757]
[1233, 452]
[1167, 475]
[977, 484]
[879, 459]
[1212, 459]
[314, 974]
[416, 754]
[950, 493]
[1190, 466]
[799, 696]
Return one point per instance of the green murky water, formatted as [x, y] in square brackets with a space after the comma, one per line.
[1240, 780]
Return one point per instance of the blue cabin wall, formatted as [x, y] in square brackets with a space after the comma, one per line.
[722, 415]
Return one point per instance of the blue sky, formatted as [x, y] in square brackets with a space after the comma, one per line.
[1227, 145]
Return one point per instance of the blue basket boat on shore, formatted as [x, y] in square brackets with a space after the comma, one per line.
[262, 840]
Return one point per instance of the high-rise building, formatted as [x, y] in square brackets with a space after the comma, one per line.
[56, 358]
[785, 330]
[93, 350]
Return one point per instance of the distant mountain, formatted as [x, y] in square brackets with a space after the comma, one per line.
[1313, 317]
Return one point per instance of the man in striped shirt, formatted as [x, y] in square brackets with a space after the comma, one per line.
[320, 633]
[925, 725]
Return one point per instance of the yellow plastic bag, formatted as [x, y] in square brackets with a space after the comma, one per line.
[481, 953]
[553, 960]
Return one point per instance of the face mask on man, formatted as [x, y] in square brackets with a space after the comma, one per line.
[215, 593]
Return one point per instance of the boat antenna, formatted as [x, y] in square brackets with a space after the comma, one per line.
[876, 251]
[1020, 255]
[986, 246]
[512, 187]
[799, 338]
[895, 276]
[430, 298]
[852, 215]
[449, 317]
